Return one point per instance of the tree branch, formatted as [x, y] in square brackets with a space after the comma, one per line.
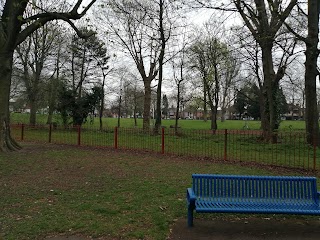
[282, 17]
[42, 18]
[298, 36]
[245, 18]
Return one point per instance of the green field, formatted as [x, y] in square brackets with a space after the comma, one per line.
[47, 190]
[184, 124]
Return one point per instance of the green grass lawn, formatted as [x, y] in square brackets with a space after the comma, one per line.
[51, 189]
[184, 124]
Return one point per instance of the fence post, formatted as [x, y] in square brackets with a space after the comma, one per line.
[225, 144]
[22, 132]
[50, 132]
[162, 140]
[116, 137]
[79, 135]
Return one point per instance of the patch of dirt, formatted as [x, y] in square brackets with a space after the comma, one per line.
[68, 238]
[251, 228]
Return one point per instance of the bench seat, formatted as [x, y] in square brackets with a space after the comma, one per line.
[286, 208]
[252, 194]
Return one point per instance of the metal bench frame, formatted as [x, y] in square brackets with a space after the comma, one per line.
[212, 193]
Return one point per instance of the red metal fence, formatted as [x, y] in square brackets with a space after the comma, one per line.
[291, 149]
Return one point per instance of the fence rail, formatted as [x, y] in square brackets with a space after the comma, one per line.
[291, 149]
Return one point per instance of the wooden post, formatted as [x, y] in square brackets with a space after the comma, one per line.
[116, 137]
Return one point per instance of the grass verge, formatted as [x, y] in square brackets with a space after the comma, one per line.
[52, 189]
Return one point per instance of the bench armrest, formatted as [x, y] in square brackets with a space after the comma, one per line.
[191, 197]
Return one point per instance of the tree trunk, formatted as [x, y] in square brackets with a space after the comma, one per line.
[214, 125]
[33, 111]
[119, 111]
[161, 57]
[102, 101]
[177, 111]
[264, 119]
[311, 72]
[101, 108]
[223, 114]
[6, 141]
[213, 107]
[135, 116]
[269, 92]
[147, 105]
[205, 111]
[135, 107]
[50, 115]
[52, 99]
[51, 103]
[54, 88]
[158, 104]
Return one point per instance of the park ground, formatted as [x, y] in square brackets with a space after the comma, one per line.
[244, 228]
[57, 192]
[248, 228]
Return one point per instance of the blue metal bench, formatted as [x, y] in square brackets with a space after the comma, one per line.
[252, 194]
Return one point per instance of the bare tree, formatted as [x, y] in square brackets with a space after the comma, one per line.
[33, 55]
[58, 58]
[284, 52]
[311, 69]
[14, 29]
[164, 36]
[136, 32]
[264, 19]
[105, 70]
[178, 75]
[211, 58]
[228, 82]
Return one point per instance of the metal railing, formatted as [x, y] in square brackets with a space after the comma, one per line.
[246, 146]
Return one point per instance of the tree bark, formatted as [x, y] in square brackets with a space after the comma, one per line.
[269, 87]
[6, 142]
[161, 57]
[33, 110]
[214, 125]
[311, 72]
[205, 111]
[177, 110]
[158, 104]
[52, 99]
[102, 103]
[146, 105]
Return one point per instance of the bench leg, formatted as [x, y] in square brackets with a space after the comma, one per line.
[190, 216]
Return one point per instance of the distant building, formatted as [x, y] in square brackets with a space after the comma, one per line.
[295, 112]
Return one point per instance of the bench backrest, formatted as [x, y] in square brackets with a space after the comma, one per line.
[248, 188]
